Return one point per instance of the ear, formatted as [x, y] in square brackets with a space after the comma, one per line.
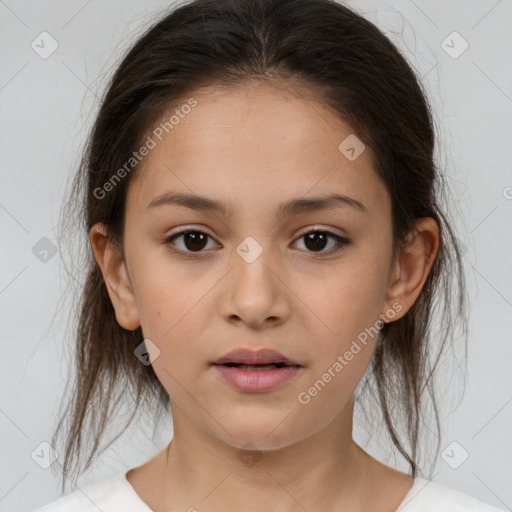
[411, 268]
[113, 267]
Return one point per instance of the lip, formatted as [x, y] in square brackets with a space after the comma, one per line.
[256, 381]
[262, 356]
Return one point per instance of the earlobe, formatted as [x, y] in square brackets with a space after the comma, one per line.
[413, 265]
[113, 268]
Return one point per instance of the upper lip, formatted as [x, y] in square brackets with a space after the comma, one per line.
[262, 356]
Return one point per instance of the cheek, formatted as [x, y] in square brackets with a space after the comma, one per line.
[344, 313]
[166, 297]
[347, 300]
[173, 311]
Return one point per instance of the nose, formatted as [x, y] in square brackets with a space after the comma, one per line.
[255, 292]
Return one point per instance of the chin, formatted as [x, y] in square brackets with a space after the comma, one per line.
[255, 432]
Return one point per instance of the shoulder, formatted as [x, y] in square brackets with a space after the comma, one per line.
[428, 496]
[108, 495]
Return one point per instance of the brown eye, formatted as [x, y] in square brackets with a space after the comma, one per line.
[193, 241]
[316, 241]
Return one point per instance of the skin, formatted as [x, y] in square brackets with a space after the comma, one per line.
[255, 146]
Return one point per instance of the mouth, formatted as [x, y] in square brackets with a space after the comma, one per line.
[253, 367]
[250, 360]
[260, 371]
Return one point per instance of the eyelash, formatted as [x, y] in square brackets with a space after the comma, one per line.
[342, 242]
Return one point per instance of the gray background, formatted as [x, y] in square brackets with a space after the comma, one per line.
[47, 106]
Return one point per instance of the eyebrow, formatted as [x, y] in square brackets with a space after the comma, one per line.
[287, 209]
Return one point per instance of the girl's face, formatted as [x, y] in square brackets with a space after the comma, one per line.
[254, 280]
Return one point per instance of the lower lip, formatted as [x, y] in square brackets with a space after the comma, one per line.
[256, 381]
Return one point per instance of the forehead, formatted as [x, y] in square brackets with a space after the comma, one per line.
[254, 145]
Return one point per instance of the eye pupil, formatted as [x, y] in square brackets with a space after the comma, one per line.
[315, 238]
[197, 238]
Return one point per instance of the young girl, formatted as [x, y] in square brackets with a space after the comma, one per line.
[263, 210]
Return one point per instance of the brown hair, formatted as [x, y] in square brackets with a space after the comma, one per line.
[358, 72]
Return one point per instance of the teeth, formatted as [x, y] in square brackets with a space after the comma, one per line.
[251, 367]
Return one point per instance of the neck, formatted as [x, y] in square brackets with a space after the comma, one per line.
[317, 473]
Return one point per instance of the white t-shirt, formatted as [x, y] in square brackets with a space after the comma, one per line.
[117, 495]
